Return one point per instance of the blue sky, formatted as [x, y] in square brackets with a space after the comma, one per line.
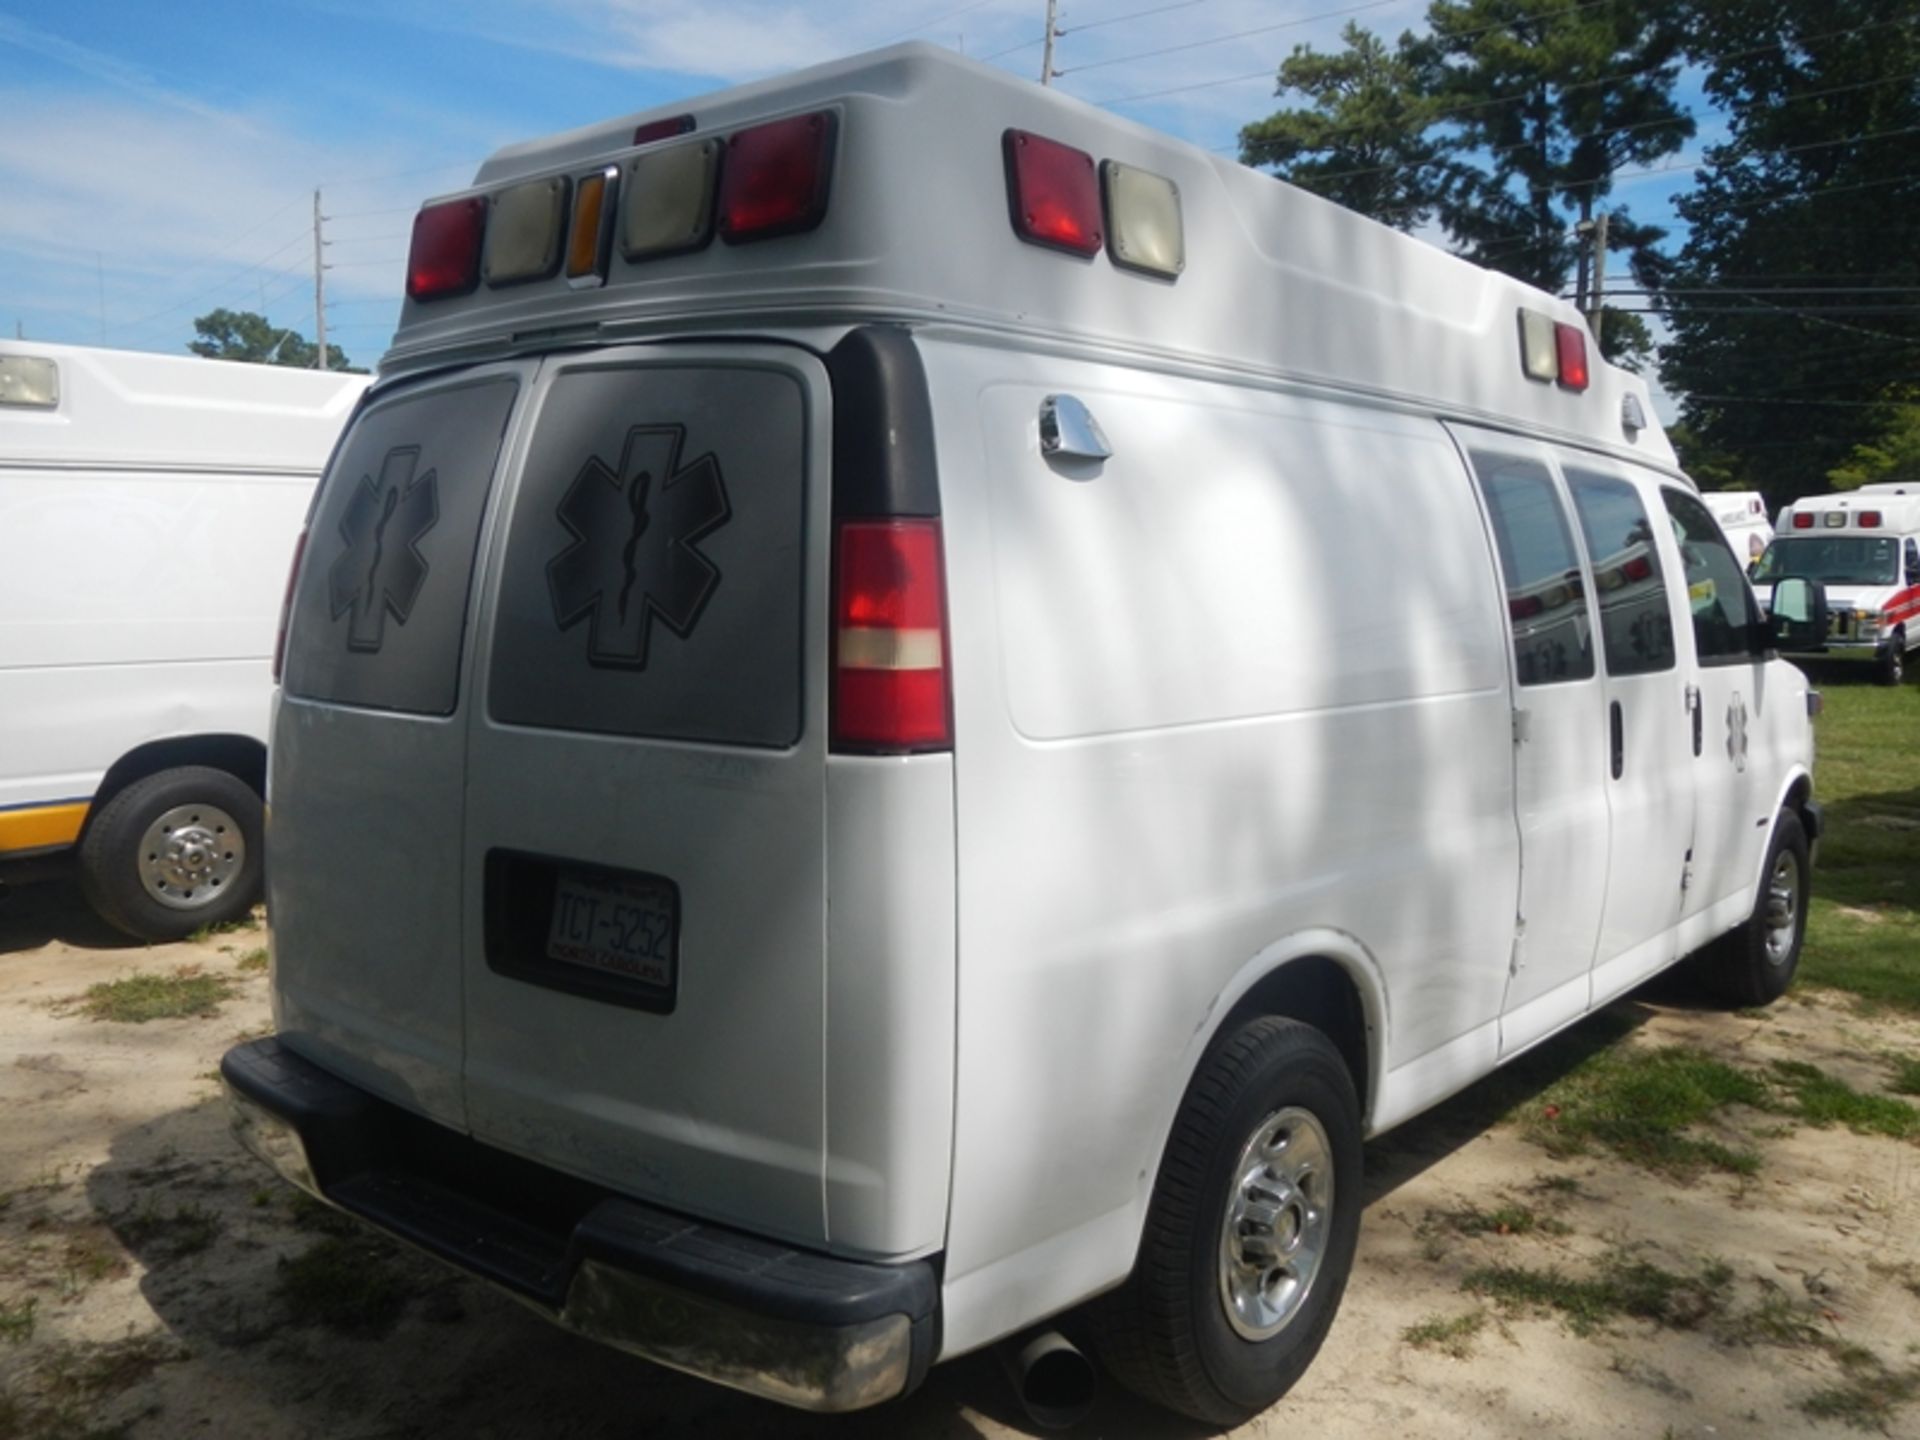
[158, 160]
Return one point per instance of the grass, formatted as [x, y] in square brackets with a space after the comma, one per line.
[1622, 1286]
[225, 927]
[252, 962]
[1863, 929]
[1640, 1103]
[1820, 1099]
[1867, 1396]
[1507, 1219]
[187, 1230]
[1906, 1075]
[140, 998]
[344, 1284]
[16, 1320]
[1450, 1336]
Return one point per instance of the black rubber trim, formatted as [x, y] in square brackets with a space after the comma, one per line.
[1813, 819]
[527, 1227]
[883, 458]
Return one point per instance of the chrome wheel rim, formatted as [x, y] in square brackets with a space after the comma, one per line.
[1278, 1221]
[190, 856]
[1783, 906]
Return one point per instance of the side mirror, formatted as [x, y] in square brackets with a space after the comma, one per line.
[1797, 616]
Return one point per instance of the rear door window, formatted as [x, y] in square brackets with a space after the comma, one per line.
[1636, 625]
[652, 584]
[380, 610]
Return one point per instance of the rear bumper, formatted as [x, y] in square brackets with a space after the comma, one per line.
[806, 1329]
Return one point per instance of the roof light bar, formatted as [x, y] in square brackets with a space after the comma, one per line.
[523, 232]
[666, 202]
[444, 258]
[776, 177]
[592, 238]
[1144, 230]
[1053, 194]
[662, 129]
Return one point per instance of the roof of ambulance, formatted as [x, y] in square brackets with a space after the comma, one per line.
[135, 408]
[1278, 283]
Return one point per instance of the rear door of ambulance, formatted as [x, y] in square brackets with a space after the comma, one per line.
[548, 839]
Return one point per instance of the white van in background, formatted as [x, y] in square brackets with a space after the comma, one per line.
[1742, 518]
[959, 698]
[1863, 547]
[148, 510]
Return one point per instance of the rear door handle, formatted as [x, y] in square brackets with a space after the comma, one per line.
[1618, 725]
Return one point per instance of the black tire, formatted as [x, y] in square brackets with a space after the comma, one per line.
[1754, 964]
[1166, 1334]
[113, 857]
[1891, 666]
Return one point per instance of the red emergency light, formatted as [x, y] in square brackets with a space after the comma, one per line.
[444, 258]
[1053, 193]
[775, 177]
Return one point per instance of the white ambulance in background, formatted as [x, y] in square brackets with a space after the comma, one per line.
[1863, 547]
[959, 699]
[1742, 518]
[149, 506]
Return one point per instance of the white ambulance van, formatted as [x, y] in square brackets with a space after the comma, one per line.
[912, 705]
[1863, 547]
[148, 510]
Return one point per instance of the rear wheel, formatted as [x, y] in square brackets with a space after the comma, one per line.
[173, 853]
[1251, 1232]
[1754, 964]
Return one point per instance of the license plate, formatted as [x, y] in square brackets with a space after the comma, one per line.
[624, 925]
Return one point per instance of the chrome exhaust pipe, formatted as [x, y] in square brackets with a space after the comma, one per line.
[1052, 1378]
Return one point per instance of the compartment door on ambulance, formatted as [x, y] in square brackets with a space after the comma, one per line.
[644, 848]
[1733, 801]
[1647, 731]
[1560, 764]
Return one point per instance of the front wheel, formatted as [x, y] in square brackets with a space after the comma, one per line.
[1251, 1232]
[173, 853]
[1892, 664]
[1754, 964]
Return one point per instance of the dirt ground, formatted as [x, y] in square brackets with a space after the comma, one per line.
[150, 1272]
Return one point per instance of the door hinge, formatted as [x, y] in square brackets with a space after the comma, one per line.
[1522, 725]
[1686, 873]
[1519, 934]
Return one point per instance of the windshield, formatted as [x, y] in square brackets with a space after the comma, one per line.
[1832, 560]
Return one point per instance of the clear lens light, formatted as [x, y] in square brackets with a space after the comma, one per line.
[667, 206]
[523, 236]
[1144, 230]
[1539, 351]
[29, 381]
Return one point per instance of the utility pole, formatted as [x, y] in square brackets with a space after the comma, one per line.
[1599, 276]
[319, 289]
[1053, 33]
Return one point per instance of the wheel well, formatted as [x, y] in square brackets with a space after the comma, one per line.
[1315, 991]
[241, 756]
[1797, 796]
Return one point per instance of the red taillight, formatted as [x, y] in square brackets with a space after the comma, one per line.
[445, 257]
[890, 637]
[1570, 345]
[1053, 193]
[286, 604]
[1803, 522]
[1869, 519]
[662, 129]
[774, 180]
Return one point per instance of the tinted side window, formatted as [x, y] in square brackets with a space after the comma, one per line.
[381, 609]
[1717, 594]
[1546, 601]
[653, 580]
[1635, 624]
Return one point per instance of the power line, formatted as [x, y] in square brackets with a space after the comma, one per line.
[1134, 15]
[1258, 30]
